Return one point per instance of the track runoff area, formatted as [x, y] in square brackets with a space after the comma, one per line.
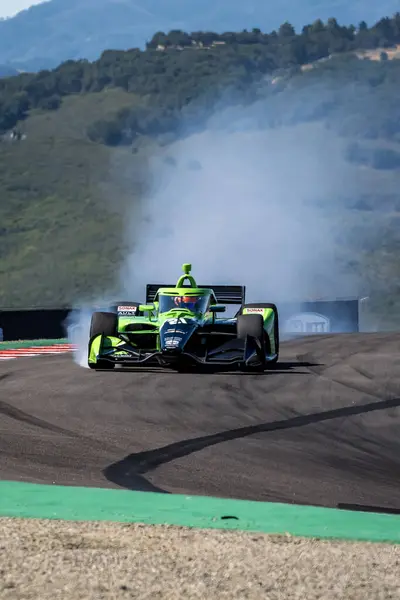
[310, 448]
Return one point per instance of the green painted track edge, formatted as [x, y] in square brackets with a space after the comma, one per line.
[28, 500]
[15, 345]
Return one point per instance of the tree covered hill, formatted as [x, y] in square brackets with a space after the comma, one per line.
[58, 30]
[178, 70]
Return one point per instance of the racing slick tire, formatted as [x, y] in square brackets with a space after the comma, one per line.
[276, 326]
[253, 326]
[104, 323]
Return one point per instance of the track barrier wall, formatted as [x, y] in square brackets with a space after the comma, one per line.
[296, 318]
[33, 324]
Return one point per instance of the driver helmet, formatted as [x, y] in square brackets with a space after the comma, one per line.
[188, 302]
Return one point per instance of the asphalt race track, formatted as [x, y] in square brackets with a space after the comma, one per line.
[323, 428]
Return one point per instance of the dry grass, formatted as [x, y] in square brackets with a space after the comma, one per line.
[50, 559]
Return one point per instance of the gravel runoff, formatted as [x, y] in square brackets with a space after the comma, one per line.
[67, 560]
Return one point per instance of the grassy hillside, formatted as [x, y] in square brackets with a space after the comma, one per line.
[60, 222]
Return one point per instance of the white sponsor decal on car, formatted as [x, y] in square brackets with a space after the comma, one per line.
[127, 309]
[254, 310]
[308, 323]
[172, 342]
[176, 321]
[175, 331]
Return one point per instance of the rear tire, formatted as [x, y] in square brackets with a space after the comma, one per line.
[103, 323]
[253, 326]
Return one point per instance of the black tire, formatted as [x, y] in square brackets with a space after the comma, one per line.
[253, 326]
[276, 324]
[104, 323]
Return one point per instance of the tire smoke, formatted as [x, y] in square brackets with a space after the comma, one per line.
[246, 203]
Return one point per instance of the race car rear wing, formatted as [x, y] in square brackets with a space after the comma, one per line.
[225, 294]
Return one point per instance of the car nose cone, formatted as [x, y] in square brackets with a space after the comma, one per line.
[171, 351]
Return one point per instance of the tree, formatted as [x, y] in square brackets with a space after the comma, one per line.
[178, 38]
[385, 30]
[158, 39]
[317, 26]
[108, 132]
[286, 30]
[332, 25]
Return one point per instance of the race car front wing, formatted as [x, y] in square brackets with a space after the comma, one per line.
[115, 350]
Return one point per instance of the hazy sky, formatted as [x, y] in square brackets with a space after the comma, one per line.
[8, 8]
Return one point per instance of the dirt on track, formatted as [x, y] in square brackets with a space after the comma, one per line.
[322, 428]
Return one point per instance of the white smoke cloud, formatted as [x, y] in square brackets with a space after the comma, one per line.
[239, 207]
[77, 327]
[238, 201]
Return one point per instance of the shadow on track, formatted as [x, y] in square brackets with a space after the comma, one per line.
[280, 367]
[130, 469]
[369, 509]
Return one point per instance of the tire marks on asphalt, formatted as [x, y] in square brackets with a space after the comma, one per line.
[321, 428]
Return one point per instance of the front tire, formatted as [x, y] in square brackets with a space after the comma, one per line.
[252, 326]
[103, 323]
[276, 327]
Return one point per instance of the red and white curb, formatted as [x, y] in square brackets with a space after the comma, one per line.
[12, 353]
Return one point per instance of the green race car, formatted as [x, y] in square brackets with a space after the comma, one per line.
[178, 327]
